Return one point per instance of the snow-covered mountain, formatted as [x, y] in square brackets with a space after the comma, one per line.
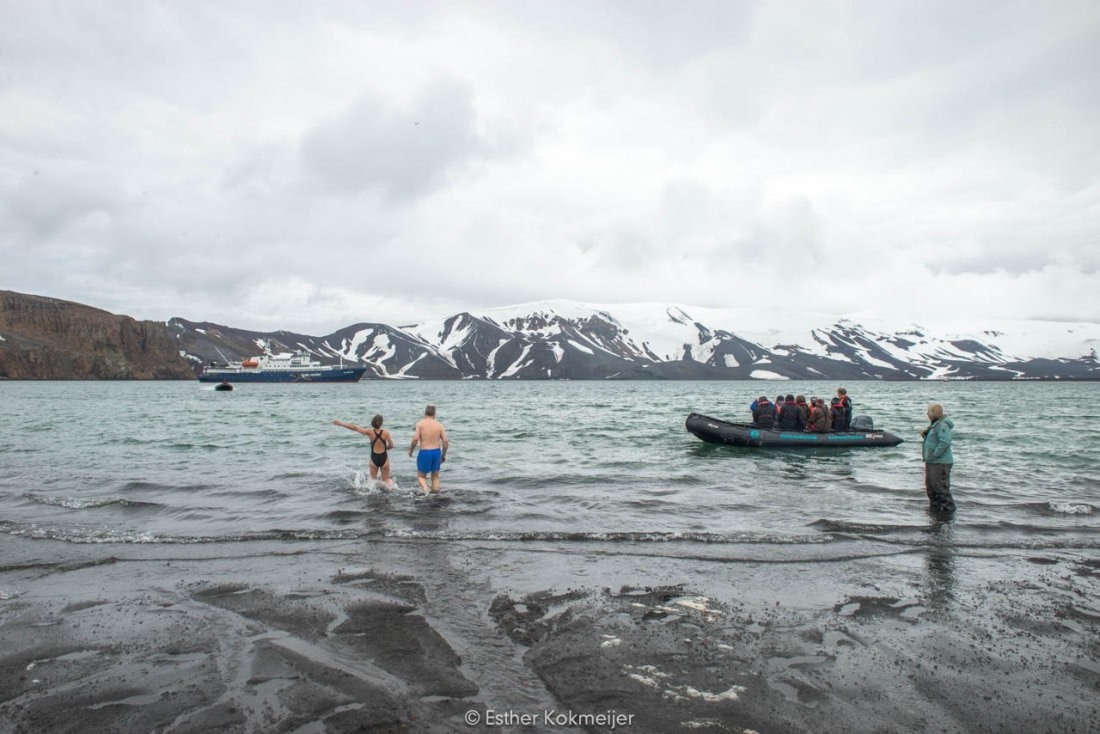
[570, 340]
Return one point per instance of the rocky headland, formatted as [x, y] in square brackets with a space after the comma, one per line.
[49, 339]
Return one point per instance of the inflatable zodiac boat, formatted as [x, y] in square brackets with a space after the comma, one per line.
[716, 430]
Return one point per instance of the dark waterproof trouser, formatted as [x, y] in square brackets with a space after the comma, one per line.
[937, 484]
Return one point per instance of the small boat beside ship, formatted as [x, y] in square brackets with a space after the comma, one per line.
[284, 367]
[716, 430]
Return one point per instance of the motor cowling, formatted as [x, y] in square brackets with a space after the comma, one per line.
[862, 423]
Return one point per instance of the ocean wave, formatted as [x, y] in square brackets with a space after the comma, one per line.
[1051, 509]
[1067, 542]
[345, 516]
[1070, 508]
[641, 536]
[968, 535]
[641, 539]
[167, 444]
[260, 494]
[103, 536]
[97, 535]
[860, 528]
[293, 475]
[80, 503]
[143, 486]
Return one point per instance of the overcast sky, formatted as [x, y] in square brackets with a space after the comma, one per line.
[277, 165]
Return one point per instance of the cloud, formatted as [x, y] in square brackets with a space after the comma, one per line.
[395, 162]
[401, 152]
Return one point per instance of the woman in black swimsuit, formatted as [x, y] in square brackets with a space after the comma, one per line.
[380, 443]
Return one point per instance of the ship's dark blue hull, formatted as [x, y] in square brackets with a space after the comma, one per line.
[715, 430]
[339, 374]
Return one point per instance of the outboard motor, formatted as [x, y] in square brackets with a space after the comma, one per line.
[862, 423]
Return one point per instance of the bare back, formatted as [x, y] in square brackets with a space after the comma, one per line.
[430, 434]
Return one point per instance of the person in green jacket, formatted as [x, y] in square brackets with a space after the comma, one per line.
[938, 460]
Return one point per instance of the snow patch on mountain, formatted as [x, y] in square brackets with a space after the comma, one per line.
[668, 329]
[518, 364]
[576, 340]
[577, 345]
[767, 375]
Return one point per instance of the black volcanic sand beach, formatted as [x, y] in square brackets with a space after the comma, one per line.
[431, 636]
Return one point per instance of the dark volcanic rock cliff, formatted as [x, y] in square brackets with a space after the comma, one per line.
[47, 339]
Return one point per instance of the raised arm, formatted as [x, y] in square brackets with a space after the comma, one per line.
[350, 427]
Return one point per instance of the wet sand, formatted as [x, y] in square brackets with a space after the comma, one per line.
[429, 636]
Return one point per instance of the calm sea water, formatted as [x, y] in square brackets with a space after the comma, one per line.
[538, 463]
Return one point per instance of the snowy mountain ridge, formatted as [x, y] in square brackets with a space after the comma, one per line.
[562, 339]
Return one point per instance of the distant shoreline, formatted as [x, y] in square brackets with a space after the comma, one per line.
[45, 338]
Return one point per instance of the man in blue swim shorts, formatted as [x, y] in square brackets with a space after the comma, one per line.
[432, 438]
